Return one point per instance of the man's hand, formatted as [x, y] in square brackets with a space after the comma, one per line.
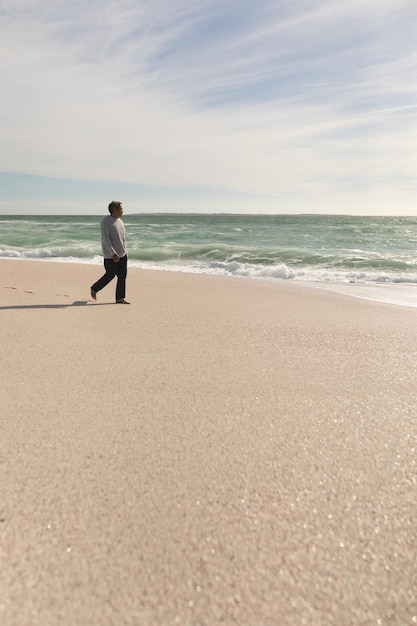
[116, 258]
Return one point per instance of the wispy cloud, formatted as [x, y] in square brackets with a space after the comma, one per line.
[294, 98]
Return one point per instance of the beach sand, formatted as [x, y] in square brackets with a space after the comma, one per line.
[221, 451]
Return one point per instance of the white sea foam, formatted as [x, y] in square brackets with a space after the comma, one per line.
[399, 295]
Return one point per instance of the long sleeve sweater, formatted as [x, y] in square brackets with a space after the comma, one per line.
[113, 238]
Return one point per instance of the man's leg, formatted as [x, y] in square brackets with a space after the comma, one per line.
[121, 272]
[111, 269]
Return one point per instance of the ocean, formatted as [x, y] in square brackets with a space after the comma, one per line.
[331, 249]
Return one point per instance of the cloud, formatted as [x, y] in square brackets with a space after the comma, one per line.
[264, 99]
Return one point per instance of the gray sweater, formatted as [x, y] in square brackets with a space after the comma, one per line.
[113, 238]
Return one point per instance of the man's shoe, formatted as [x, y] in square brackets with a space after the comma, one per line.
[93, 294]
[122, 301]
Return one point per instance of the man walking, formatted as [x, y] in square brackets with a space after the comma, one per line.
[113, 245]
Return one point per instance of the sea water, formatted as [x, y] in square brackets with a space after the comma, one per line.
[325, 249]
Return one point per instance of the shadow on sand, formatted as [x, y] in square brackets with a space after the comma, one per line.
[54, 306]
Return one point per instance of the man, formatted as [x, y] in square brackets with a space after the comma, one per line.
[113, 245]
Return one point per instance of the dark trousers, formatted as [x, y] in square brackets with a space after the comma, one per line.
[114, 269]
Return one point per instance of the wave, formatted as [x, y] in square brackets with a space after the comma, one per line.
[311, 268]
[316, 249]
[284, 272]
[51, 249]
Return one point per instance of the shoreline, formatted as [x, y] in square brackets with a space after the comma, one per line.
[219, 451]
[396, 294]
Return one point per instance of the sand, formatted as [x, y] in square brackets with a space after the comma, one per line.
[221, 451]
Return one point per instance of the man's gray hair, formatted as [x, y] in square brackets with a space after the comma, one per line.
[114, 205]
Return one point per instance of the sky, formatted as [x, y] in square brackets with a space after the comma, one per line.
[239, 106]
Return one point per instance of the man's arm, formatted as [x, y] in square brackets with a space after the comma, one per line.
[106, 243]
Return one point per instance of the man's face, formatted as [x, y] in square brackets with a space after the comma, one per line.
[117, 212]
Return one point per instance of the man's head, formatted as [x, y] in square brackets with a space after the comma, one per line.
[115, 209]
